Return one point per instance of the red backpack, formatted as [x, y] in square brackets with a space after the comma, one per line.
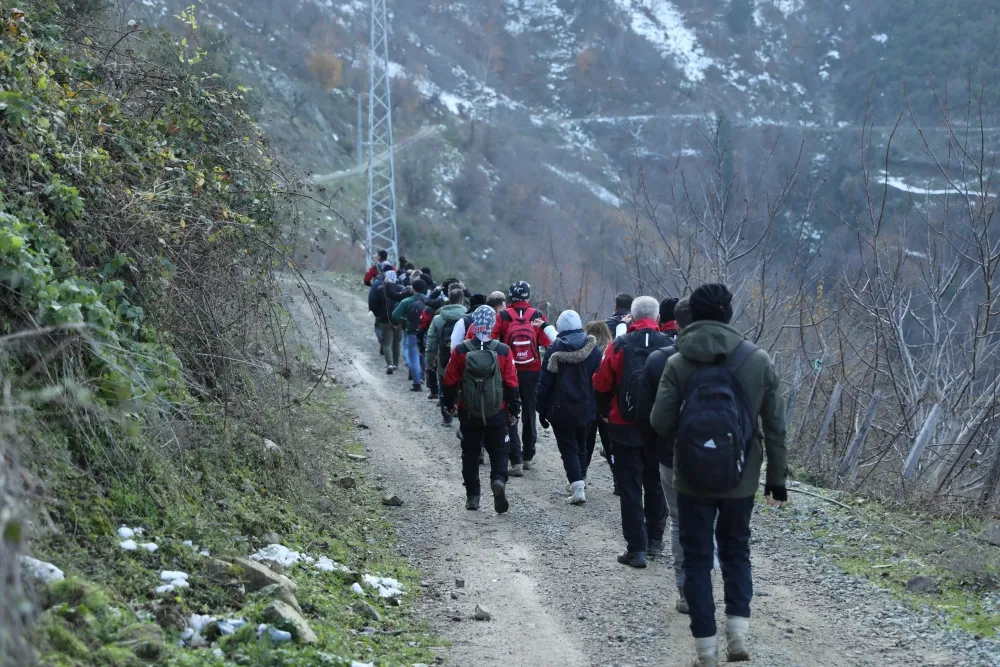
[521, 336]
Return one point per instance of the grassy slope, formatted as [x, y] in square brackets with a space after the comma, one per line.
[140, 220]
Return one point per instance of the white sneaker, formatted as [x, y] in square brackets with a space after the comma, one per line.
[737, 629]
[708, 652]
[579, 496]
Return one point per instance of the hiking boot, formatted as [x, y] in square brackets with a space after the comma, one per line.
[655, 548]
[472, 502]
[389, 369]
[500, 503]
[737, 629]
[578, 490]
[682, 603]
[616, 491]
[528, 465]
[433, 396]
[516, 470]
[707, 650]
[416, 388]
[636, 559]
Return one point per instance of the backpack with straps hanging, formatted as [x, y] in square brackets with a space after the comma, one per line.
[636, 348]
[716, 427]
[482, 383]
[521, 336]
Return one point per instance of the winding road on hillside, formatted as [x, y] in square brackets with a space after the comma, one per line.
[547, 571]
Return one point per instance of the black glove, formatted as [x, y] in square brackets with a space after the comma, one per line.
[779, 493]
[544, 422]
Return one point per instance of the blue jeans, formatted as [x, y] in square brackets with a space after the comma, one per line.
[731, 520]
[412, 351]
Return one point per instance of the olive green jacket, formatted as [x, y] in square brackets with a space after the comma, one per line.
[704, 343]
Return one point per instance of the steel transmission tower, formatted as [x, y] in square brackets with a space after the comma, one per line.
[381, 220]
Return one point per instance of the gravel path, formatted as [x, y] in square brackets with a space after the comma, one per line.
[547, 571]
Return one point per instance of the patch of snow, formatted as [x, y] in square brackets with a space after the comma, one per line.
[204, 552]
[799, 88]
[324, 564]
[833, 53]
[356, 587]
[165, 588]
[386, 586]
[129, 545]
[173, 578]
[898, 184]
[41, 570]
[151, 547]
[916, 254]
[125, 532]
[881, 38]
[280, 554]
[598, 190]
[662, 24]
[199, 622]
[277, 635]
[526, 11]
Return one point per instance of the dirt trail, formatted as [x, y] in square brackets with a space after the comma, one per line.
[547, 571]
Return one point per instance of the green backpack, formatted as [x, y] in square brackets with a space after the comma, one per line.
[482, 386]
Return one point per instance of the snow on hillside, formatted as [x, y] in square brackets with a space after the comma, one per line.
[660, 22]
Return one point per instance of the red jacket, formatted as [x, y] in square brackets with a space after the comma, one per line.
[373, 271]
[455, 373]
[506, 318]
[608, 376]
[669, 328]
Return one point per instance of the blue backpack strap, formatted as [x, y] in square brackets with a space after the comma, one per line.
[740, 355]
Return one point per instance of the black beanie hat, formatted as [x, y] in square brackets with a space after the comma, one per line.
[712, 302]
[476, 301]
[667, 310]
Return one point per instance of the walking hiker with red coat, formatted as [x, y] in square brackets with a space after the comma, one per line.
[617, 382]
[523, 329]
[480, 386]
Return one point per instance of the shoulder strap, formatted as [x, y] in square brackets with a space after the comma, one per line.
[740, 355]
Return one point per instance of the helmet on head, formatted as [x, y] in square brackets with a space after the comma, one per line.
[520, 291]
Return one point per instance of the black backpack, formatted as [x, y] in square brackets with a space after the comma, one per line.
[716, 426]
[415, 311]
[637, 345]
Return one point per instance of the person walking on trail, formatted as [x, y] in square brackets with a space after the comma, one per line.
[643, 507]
[383, 301]
[497, 301]
[668, 320]
[523, 329]
[566, 397]
[599, 330]
[719, 403]
[378, 267]
[407, 314]
[482, 382]
[653, 371]
[439, 338]
[618, 323]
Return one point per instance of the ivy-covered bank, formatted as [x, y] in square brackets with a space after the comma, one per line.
[159, 423]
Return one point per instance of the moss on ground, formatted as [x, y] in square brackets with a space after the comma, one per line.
[105, 618]
[889, 546]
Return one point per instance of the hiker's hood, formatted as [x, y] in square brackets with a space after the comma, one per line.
[453, 312]
[576, 348]
[708, 342]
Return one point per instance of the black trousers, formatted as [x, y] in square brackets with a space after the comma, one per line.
[474, 436]
[596, 427]
[523, 443]
[643, 505]
[572, 442]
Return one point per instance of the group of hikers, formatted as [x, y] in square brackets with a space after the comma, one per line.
[686, 409]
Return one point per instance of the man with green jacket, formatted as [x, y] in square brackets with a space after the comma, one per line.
[408, 313]
[438, 347]
[710, 341]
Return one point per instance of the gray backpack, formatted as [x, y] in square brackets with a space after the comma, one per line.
[482, 386]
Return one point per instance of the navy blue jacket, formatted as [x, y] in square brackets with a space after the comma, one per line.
[570, 348]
